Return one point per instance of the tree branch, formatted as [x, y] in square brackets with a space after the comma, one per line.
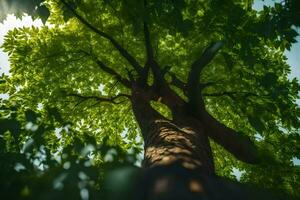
[165, 70]
[230, 94]
[148, 46]
[149, 54]
[240, 146]
[193, 85]
[100, 99]
[108, 70]
[177, 82]
[237, 144]
[122, 51]
[151, 63]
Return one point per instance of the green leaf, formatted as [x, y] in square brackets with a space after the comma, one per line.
[269, 80]
[43, 12]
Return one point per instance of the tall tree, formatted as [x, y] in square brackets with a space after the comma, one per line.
[204, 83]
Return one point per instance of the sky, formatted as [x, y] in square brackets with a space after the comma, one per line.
[292, 55]
[11, 22]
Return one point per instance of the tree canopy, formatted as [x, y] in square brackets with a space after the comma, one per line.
[69, 85]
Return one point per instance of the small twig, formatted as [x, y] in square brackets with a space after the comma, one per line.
[99, 99]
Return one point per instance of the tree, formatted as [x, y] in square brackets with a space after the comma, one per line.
[198, 80]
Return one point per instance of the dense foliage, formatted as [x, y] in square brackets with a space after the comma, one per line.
[66, 111]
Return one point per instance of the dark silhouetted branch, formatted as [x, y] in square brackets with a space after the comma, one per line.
[177, 82]
[99, 99]
[149, 56]
[239, 145]
[151, 63]
[193, 85]
[109, 70]
[166, 69]
[149, 49]
[230, 94]
[236, 143]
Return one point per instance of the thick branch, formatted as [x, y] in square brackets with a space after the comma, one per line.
[122, 51]
[149, 49]
[148, 45]
[151, 63]
[158, 77]
[150, 59]
[237, 144]
[193, 85]
[240, 146]
[177, 82]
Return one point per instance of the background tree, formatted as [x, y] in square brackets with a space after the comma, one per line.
[179, 72]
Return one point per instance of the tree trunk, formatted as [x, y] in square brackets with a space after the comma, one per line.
[176, 154]
[168, 142]
[178, 162]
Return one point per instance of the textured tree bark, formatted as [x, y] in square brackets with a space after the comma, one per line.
[176, 154]
[178, 162]
[181, 140]
[167, 143]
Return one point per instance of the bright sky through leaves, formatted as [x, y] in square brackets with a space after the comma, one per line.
[10, 23]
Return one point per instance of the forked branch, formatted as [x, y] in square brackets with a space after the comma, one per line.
[237, 144]
[193, 85]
